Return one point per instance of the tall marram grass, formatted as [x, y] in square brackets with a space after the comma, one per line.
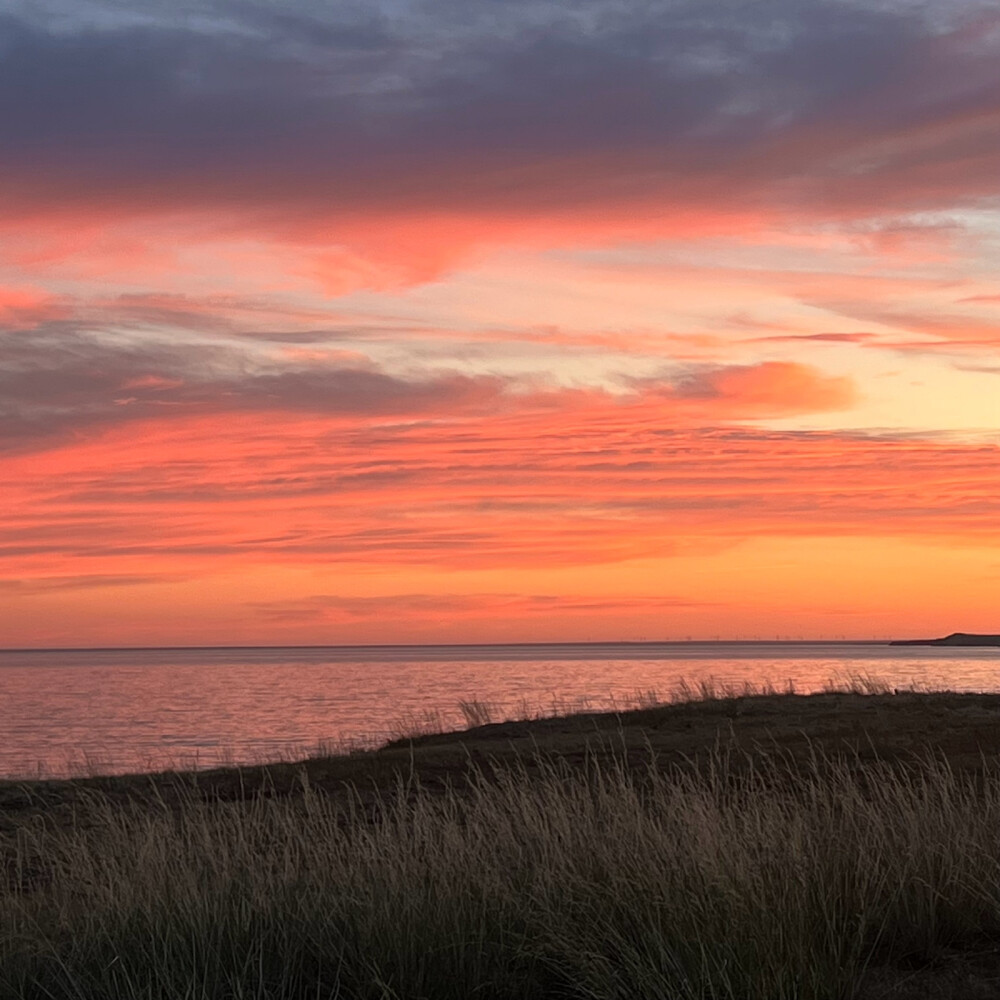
[735, 880]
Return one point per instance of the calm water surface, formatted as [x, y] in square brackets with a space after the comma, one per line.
[62, 712]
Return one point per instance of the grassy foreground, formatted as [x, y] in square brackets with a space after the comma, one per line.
[778, 847]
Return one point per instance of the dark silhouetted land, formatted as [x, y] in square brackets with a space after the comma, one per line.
[759, 846]
[955, 639]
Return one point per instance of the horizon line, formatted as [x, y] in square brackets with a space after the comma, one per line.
[434, 645]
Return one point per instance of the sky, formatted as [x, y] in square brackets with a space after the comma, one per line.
[498, 320]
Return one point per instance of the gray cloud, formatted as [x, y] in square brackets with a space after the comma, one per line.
[340, 108]
[60, 380]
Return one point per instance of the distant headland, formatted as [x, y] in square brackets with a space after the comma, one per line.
[955, 639]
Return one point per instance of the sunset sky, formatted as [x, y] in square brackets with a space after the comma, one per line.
[498, 320]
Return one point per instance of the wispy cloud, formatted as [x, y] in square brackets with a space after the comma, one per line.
[417, 608]
[62, 381]
[58, 584]
[601, 484]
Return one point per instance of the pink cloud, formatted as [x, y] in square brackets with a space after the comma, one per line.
[27, 308]
[555, 486]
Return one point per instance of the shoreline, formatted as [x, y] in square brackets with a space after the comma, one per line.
[704, 697]
[964, 726]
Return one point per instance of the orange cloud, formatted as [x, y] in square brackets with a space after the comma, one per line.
[416, 609]
[297, 511]
[591, 485]
[770, 389]
[26, 308]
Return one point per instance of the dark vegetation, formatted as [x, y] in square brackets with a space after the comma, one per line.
[762, 846]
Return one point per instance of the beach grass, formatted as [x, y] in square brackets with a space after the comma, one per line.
[747, 847]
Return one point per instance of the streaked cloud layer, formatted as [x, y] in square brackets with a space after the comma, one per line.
[487, 321]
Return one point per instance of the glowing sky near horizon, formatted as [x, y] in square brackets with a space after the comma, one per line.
[427, 320]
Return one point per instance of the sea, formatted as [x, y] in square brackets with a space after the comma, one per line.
[106, 711]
